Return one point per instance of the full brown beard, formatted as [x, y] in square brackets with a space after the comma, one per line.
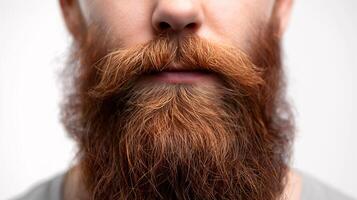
[225, 139]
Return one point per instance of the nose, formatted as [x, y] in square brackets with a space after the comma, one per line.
[177, 15]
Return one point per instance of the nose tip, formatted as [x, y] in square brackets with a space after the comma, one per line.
[176, 15]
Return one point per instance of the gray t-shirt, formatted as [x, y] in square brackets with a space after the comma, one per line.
[312, 189]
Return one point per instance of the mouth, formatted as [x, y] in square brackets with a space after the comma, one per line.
[180, 75]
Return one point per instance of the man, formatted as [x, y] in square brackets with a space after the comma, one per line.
[178, 99]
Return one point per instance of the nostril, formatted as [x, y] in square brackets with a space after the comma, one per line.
[164, 26]
[177, 16]
[191, 25]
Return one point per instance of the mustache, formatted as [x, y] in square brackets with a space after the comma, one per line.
[121, 67]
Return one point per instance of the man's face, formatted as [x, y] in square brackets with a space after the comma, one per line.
[138, 21]
[178, 99]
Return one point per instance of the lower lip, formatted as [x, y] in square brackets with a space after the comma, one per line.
[175, 77]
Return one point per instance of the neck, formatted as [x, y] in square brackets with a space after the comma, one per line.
[73, 187]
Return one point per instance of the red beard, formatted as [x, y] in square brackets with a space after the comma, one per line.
[225, 139]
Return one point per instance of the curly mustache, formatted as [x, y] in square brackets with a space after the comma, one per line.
[121, 67]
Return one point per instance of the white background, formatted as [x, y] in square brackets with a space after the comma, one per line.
[321, 56]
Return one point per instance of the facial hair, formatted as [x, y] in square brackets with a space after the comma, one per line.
[224, 139]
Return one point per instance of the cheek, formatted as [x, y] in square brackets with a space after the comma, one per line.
[128, 22]
[237, 21]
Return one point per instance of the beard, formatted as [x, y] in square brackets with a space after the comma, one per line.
[228, 138]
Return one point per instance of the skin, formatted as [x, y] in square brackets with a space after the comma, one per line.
[129, 23]
[133, 22]
[137, 21]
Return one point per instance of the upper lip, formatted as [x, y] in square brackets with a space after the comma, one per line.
[176, 67]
